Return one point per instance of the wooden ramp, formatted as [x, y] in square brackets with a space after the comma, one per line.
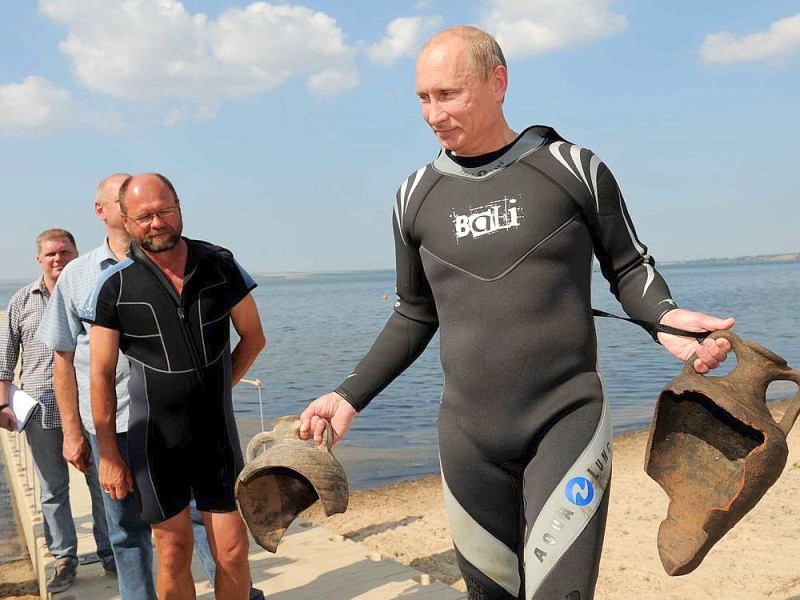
[310, 563]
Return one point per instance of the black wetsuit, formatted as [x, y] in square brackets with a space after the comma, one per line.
[182, 437]
[496, 251]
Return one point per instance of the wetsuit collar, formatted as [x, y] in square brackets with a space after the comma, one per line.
[472, 162]
[486, 165]
[195, 254]
[139, 255]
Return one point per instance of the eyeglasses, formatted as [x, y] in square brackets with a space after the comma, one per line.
[163, 214]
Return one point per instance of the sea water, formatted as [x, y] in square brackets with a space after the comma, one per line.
[319, 326]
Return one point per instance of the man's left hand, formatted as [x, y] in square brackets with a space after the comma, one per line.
[710, 353]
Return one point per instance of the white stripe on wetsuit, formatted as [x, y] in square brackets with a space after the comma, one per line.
[484, 551]
[570, 507]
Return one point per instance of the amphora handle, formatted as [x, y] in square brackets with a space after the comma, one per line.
[266, 437]
[327, 436]
[774, 369]
[790, 416]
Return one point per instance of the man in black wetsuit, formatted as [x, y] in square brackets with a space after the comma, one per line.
[494, 245]
[169, 306]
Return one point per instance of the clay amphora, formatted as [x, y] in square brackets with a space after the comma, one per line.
[285, 479]
[715, 449]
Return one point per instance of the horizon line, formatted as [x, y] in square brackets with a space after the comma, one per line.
[776, 257]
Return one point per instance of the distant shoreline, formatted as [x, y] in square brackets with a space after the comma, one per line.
[760, 258]
[754, 259]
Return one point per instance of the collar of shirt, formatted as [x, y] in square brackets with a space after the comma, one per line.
[39, 287]
[104, 254]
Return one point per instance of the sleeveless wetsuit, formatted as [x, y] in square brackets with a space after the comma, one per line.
[182, 436]
[496, 252]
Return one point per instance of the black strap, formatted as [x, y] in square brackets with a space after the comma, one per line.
[654, 328]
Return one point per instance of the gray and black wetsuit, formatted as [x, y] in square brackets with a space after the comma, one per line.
[182, 436]
[496, 252]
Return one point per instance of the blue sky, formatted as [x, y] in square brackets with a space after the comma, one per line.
[286, 128]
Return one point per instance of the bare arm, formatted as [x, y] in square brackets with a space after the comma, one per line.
[7, 418]
[76, 448]
[115, 475]
[247, 323]
[9, 355]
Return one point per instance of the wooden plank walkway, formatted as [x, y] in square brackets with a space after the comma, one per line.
[311, 562]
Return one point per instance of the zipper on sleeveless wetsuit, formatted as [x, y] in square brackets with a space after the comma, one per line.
[187, 336]
[177, 301]
[184, 327]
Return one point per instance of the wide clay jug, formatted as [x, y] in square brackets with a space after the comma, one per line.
[715, 449]
[286, 478]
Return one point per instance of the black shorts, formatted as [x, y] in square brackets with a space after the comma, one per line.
[182, 443]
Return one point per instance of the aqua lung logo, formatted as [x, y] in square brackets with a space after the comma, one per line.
[550, 538]
[579, 491]
[491, 218]
[600, 464]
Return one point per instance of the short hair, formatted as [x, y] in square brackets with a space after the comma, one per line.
[54, 233]
[484, 51]
[98, 194]
[123, 189]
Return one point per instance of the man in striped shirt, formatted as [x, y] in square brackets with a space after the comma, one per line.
[55, 248]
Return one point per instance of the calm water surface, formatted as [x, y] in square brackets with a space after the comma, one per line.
[319, 326]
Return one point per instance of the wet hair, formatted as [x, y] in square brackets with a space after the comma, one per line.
[123, 189]
[484, 51]
[54, 233]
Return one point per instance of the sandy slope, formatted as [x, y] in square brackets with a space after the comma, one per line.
[759, 558]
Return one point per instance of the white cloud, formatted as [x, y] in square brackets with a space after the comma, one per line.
[777, 45]
[523, 27]
[331, 81]
[37, 106]
[196, 114]
[155, 50]
[404, 38]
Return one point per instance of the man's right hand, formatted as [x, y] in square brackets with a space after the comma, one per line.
[76, 451]
[332, 408]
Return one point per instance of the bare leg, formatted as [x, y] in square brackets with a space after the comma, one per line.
[227, 538]
[174, 543]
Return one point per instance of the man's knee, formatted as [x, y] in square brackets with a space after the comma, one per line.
[233, 550]
[227, 535]
[174, 555]
[174, 543]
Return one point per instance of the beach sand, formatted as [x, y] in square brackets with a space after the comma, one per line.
[757, 559]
